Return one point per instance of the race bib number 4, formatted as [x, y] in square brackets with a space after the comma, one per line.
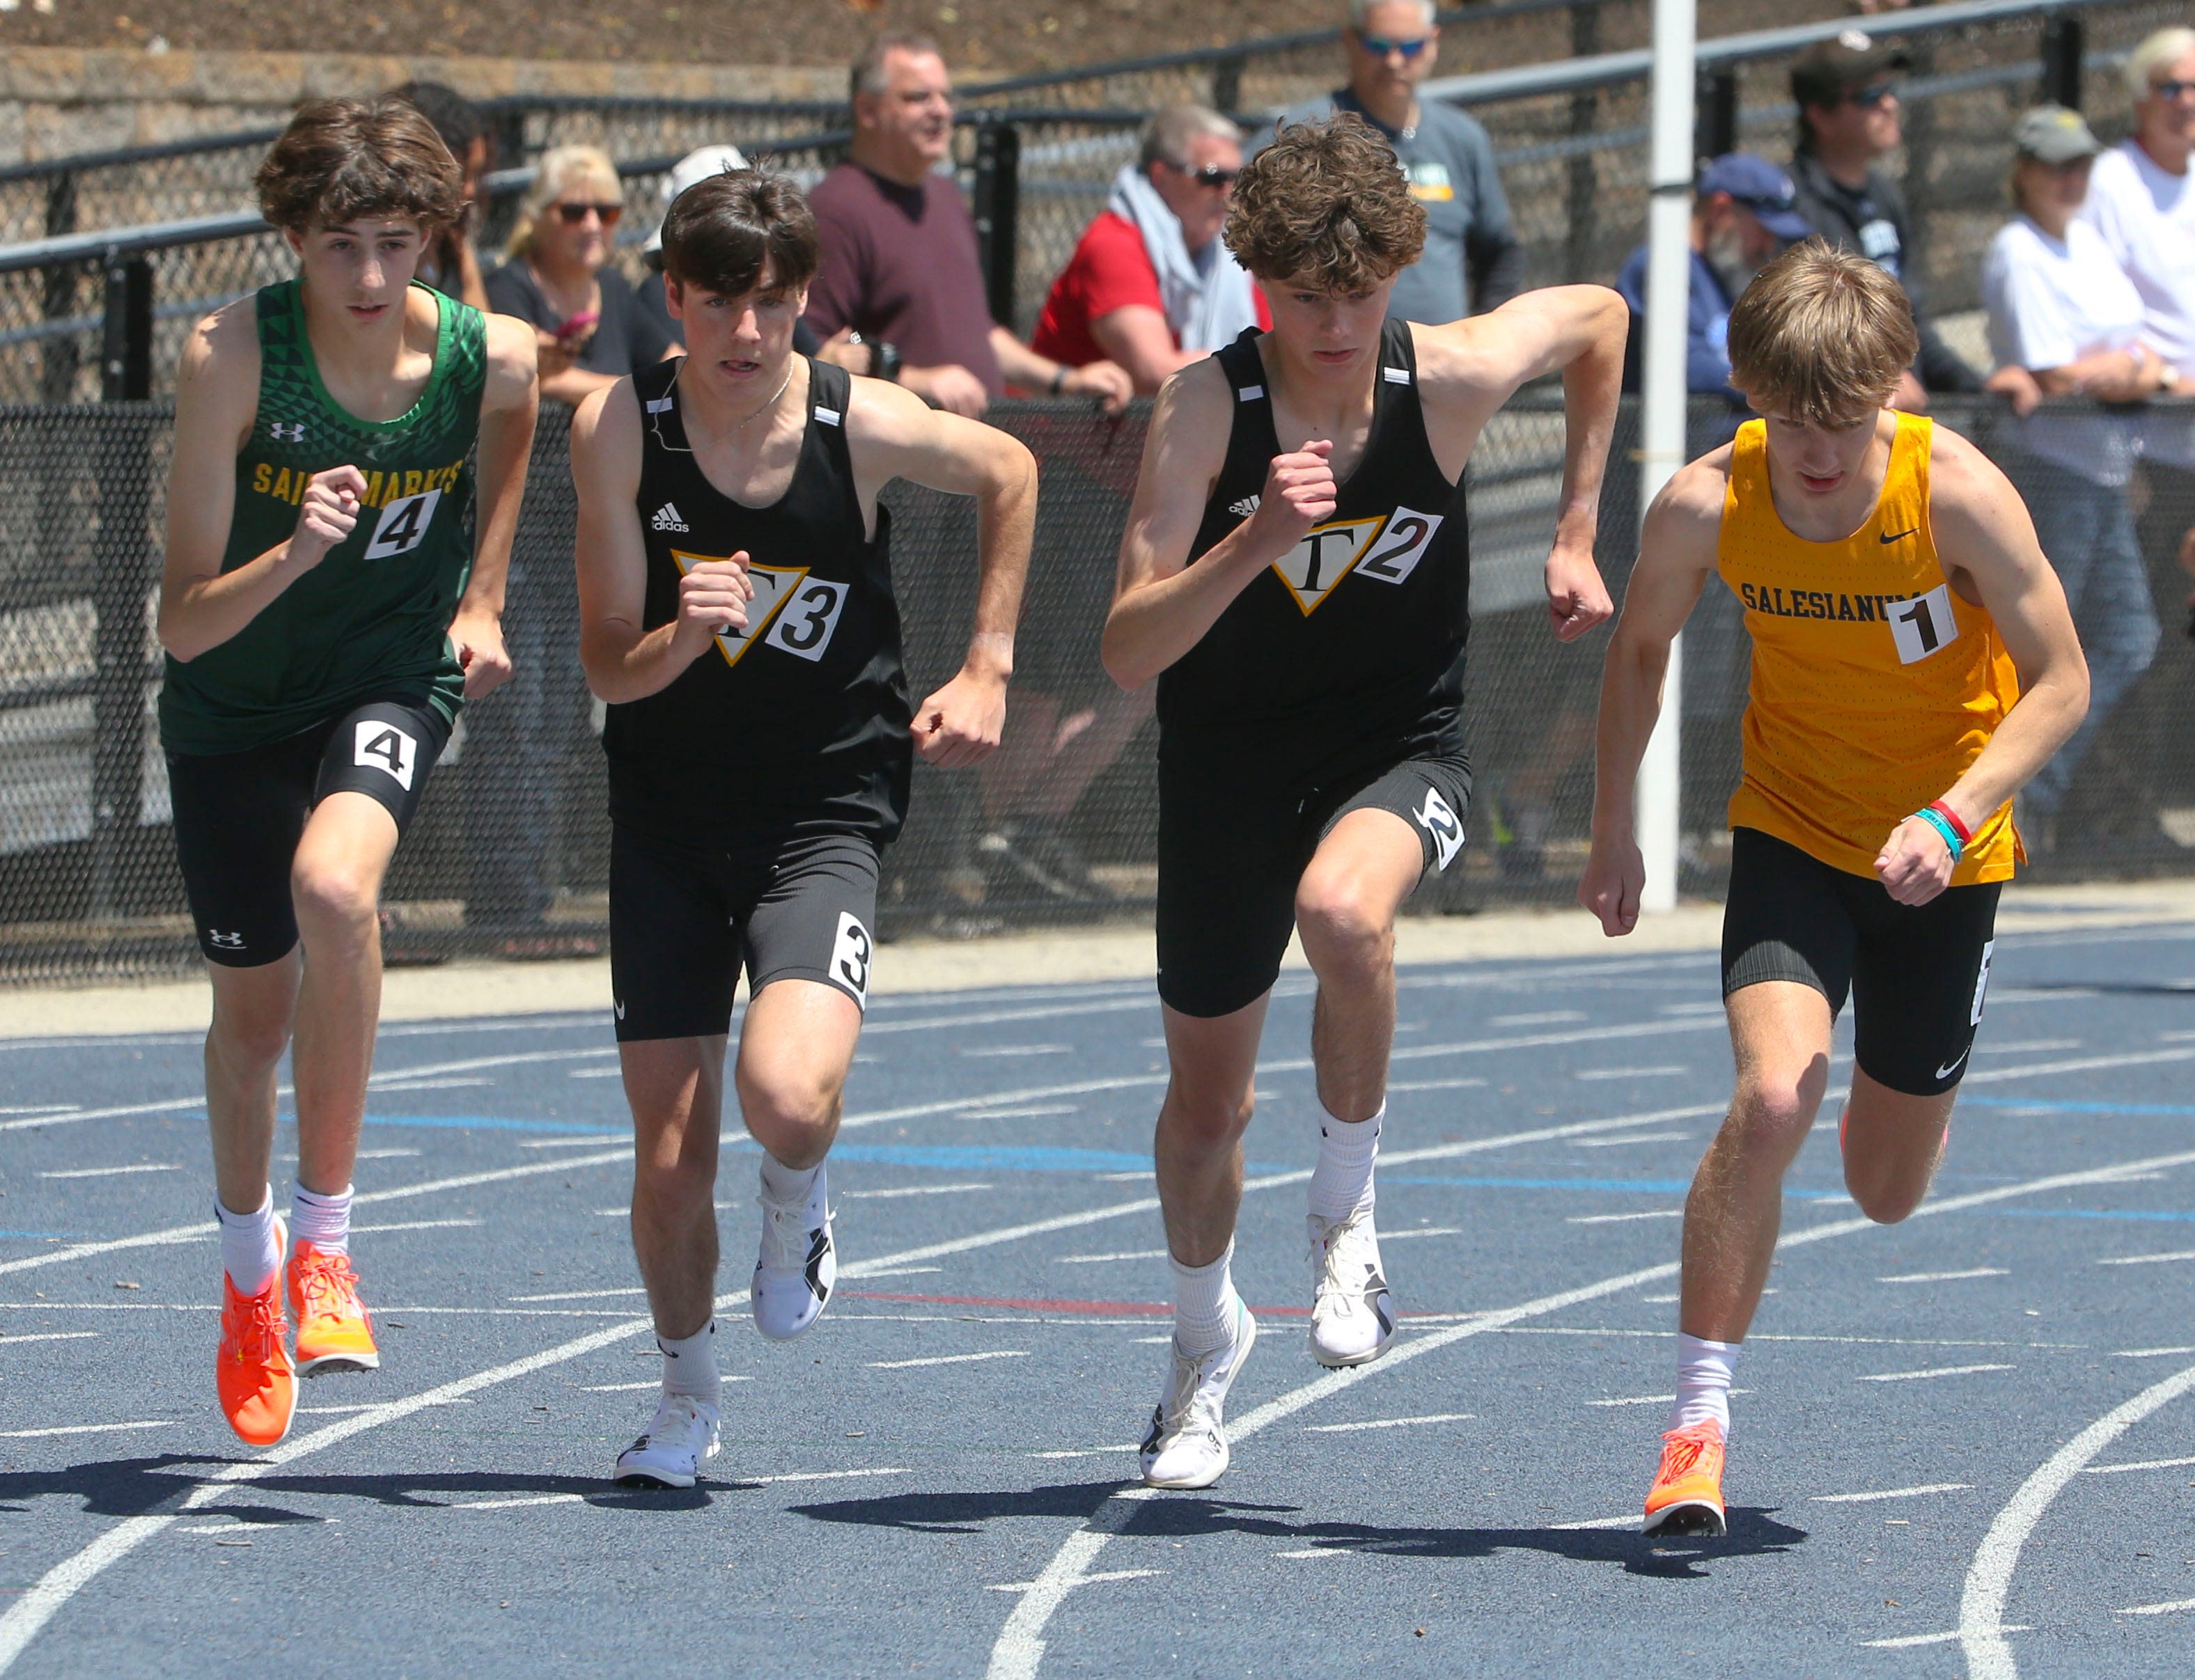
[381, 746]
[403, 525]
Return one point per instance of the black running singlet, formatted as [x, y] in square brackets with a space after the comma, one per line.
[800, 723]
[1357, 634]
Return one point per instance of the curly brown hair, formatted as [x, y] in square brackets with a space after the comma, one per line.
[1821, 335]
[341, 160]
[1326, 201]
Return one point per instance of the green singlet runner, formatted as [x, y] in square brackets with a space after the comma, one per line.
[373, 617]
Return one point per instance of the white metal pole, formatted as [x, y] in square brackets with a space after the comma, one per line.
[1668, 281]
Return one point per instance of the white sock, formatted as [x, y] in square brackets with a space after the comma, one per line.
[321, 1220]
[248, 1251]
[793, 1184]
[1204, 1304]
[1341, 1181]
[1703, 1376]
[689, 1367]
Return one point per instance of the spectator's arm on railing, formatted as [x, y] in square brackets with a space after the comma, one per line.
[2130, 375]
[510, 402]
[1136, 338]
[1022, 367]
[891, 434]
[624, 660]
[216, 399]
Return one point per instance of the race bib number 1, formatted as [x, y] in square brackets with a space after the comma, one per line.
[1923, 625]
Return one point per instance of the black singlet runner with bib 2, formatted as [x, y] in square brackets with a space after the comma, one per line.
[793, 732]
[1332, 682]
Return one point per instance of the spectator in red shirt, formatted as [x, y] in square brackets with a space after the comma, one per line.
[1151, 286]
[900, 262]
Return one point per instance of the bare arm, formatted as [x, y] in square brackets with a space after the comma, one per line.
[892, 433]
[623, 661]
[217, 399]
[509, 403]
[1137, 338]
[1022, 367]
[1676, 552]
[2130, 375]
[1471, 368]
[1987, 545]
[1162, 606]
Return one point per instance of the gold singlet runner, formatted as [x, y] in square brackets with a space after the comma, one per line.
[1874, 685]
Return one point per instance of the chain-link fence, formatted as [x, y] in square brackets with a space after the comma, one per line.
[509, 853]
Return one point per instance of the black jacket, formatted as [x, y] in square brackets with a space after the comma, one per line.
[1873, 222]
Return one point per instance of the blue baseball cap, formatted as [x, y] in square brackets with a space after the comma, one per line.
[1761, 187]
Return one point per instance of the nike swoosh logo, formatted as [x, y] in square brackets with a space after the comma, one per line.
[1946, 1072]
[1889, 537]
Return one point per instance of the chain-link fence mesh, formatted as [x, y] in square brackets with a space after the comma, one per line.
[509, 854]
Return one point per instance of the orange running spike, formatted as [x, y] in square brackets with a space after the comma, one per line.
[252, 1373]
[1687, 1493]
[335, 1332]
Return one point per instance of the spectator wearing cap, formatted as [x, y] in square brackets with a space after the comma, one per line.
[1472, 260]
[589, 329]
[1742, 214]
[899, 256]
[450, 265]
[1151, 286]
[1846, 91]
[2061, 309]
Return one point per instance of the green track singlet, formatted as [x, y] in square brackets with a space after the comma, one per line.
[372, 620]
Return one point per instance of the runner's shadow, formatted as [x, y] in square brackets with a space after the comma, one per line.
[965, 1513]
[111, 1486]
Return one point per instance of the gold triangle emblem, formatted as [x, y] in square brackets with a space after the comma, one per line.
[774, 586]
[1323, 558]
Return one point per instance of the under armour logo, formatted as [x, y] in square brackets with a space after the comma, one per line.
[667, 518]
[225, 941]
[1245, 507]
[282, 433]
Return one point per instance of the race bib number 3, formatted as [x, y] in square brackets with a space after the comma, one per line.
[850, 957]
[403, 525]
[790, 610]
[380, 745]
[803, 627]
[1923, 625]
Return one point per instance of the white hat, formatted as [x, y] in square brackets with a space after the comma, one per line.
[690, 170]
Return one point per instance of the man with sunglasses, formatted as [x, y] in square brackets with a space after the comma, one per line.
[1473, 261]
[1846, 91]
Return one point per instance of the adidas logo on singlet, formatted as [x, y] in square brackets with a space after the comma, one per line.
[667, 518]
[1244, 509]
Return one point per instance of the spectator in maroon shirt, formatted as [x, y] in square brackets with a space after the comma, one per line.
[1151, 286]
[900, 262]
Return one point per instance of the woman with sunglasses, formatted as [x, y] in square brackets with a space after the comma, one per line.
[591, 328]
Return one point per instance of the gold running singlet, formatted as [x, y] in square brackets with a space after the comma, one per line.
[1875, 686]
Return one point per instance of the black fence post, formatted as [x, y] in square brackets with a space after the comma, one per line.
[122, 572]
[1715, 128]
[1582, 184]
[58, 357]
[1227, 83]
[2063, 43]
[997, 212]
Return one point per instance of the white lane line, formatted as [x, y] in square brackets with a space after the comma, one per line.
[1914, 1641]
[1034, 1111]
[1086, 1580]
[377, 1154]
[996, 1050]
[432, 1084]
[1544, 1018]
[1940, 1371]
[1635, 1137]
[1388, 1423]
[512, 1505]
[1668, 1070]
[2172, 1607]
[1636, 1399]
[591, 1141]
[1630, 1518]
[1422, 1231]
[2151, 1353]
[42, 1109]
[821, 1475]
[2147, 1259]
[1989, 1578]
[1460, 1084]
[595, 1074]
[1892, 1494]
[902, 1190]
[1018, 1651]
[946, 1359]
[580, 1295]
[1090, 1452]
[49, 1335]
[903, 1271]
[1624, 1218]
[1947, 1277]
[203, 1230]
[2145, 1464]
[86, 1428]
[1307, 1551]
[2081, 1065]
[115, 1171]
[415, 1225]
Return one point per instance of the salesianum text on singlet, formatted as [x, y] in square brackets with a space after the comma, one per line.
[372, 619]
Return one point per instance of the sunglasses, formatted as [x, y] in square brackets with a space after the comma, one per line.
[2172, 89]
[1380, 45]
[1873, 94]
[1207, 175]
[573, 214]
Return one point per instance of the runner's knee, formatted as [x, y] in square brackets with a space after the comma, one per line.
[1209, 1116]
[1340, 924]
[248, 1039]
[331, 899]
[1774, 1110]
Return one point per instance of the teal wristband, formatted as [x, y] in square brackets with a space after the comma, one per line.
[1942, 824]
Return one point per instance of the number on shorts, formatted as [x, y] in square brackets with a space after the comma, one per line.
[1401, 546]
[1981, 984]
[850, 957]
[380, 745]
[403, 525]
[803, 627]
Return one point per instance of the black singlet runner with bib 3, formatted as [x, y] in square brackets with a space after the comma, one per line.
[1332, 682]
[800, 722]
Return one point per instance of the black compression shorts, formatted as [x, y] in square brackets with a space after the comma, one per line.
[685, 919]
[1234, 841]
[239, 816]
[1916, 973]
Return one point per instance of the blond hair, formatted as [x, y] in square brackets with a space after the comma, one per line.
[562, 168]
[2159, 51]
[1822, 335]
